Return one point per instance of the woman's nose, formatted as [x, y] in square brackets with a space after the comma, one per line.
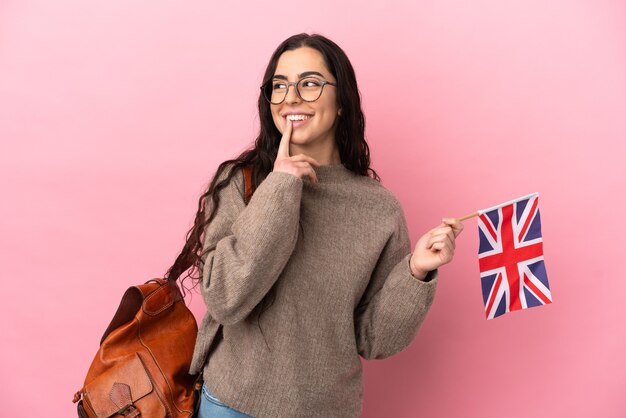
[292, 95]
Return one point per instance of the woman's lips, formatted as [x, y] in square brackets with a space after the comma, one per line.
[298, 123]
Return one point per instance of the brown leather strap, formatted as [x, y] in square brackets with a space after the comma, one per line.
[247, 181]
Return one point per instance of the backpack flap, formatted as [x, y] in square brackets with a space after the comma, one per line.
[133, 300]
[130, 304]
[118, 388]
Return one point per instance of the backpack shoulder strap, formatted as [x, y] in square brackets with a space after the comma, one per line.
[247, 182]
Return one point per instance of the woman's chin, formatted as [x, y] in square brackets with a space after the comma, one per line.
[299, 139]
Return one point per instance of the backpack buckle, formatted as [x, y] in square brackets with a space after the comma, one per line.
[130, 411]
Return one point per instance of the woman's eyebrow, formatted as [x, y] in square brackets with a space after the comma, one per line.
[304, 74]
[308, 73]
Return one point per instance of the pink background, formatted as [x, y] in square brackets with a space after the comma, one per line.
[114, 116]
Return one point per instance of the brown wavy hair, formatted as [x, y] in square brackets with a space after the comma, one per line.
[349, 136]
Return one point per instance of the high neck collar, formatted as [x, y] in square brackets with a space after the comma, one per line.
[332, 172]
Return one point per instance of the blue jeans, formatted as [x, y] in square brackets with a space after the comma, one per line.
[211, 407]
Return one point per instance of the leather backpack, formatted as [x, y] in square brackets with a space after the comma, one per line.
[142, 366]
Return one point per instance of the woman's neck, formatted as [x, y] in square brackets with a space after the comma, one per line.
[323, 155]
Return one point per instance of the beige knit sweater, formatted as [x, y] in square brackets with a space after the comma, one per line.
[343, 289]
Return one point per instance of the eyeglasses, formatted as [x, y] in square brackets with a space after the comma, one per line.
[309, 89]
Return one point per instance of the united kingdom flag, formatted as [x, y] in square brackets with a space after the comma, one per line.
[510, 256]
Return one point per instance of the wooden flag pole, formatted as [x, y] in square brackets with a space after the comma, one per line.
[471, 215]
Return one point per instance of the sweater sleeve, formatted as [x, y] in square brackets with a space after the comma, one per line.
[394, 303]
[248, 246]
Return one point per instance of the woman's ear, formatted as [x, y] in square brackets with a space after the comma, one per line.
[339, 112]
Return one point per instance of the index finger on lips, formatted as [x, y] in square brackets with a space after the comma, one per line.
[283, 147]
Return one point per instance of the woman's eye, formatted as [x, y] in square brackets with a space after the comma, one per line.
[278, 86]
[311, 83]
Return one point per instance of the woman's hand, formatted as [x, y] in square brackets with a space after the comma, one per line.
[435, 248]
[298, 165]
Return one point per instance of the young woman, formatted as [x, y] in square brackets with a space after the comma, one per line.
[316, 269]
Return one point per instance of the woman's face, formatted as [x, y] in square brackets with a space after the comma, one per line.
[318, 125]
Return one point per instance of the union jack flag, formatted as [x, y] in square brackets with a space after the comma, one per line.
[510, 257]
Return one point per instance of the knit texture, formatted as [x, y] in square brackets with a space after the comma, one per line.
[344, 289]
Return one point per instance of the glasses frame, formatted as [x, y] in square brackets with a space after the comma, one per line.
[295, 86]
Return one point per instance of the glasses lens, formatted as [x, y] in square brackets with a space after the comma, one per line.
[275, 91]
[310, 89]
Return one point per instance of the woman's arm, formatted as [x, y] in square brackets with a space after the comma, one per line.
[395, 303]
[250, 245]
